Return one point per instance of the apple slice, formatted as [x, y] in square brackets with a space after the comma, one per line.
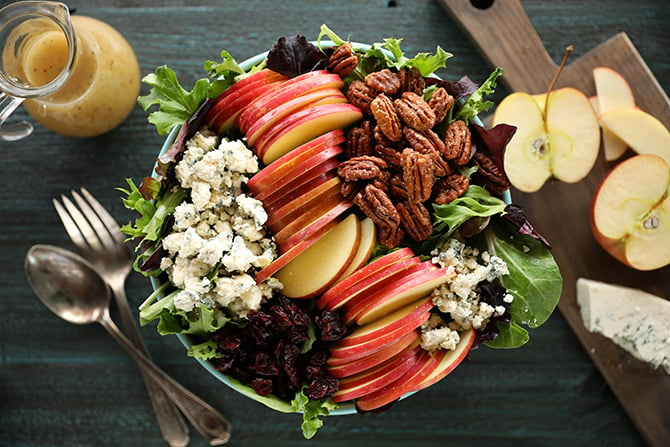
[339, 367]
[291, 163]
[398, 322]
[292, 88]
[315, 269]
[612, 91]
[644, 133]
[298, 230]
[373, 267]
[282, 214]
[302, 126]
[365, 248]
[379, 376]
[292, 253]
[630, 213]
[565, 146]
[300, 217]
[269, 119]
[450, 360]
[426, 364]
[303, 183]
[419, 282]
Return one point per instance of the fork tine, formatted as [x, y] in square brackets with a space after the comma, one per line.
[70, 226]
[87, 232]
[99, 229]
[110, 223]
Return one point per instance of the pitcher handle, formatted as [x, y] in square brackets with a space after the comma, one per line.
[12, 131]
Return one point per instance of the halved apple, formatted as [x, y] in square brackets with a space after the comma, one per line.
[643, 132]
[315, 269]
[630, 213]
[564, 146]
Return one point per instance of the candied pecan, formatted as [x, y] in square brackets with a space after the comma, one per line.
[494, 178]
[389, 154]
[417, 172]
[441, 102]
[377, 205]
[350, 189]
[390, 237]
[415, 220]
[397, 188]
[458, 143]
[359, 140]
[343, 60]
[450, 188]
[387, 118]
[382, 182]
[425, 141]
[384, 81]
[361, 95]
[414, 111]
[411, 80]
[365, 167]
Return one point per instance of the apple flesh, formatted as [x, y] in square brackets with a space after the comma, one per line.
[315, 269]
[450, 360]
[343, 367]
[644, 133]
[565, 146]
[304, 182]
[318, 217]
[630, 212]
[365, 248]
[612, 91]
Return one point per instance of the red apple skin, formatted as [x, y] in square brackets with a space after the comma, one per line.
[303, 183]
[450, 361]
[371, 268]
[291, 235]
[326, 198]
[283, 166]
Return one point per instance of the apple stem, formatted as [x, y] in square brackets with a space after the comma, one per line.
[568, 50]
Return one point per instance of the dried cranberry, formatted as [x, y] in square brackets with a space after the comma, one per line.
[262, 386]
[287, 357]
[330, 325]
[322, 387]
[264, 364]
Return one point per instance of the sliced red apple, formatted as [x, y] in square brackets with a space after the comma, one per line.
[287, 166]
[305, 125]
[282, 214]
[379, 376]
[612, 91]
[373, 267]
[292, 234]
[292, 88]
[264, 124]
[426, 364]
[450, 360]
[303, 183]
[290, 254]
[630, 213]
[642, 132]
[391, 326]
[315, 269]
[365, 248]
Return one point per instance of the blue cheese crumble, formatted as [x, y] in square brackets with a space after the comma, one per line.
[218, 237]
[459, 296]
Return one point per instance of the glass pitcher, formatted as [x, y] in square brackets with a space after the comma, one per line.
[75, 75]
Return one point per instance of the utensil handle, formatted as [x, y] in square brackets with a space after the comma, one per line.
[207, 421]
[12, 131]
[506, 37]
[172, 425]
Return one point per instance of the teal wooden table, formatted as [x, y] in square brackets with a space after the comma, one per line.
[63, 385]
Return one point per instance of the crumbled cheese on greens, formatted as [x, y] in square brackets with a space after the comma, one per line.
[459, 296]
[218, 237]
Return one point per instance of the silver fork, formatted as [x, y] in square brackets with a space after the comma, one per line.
[98, 236]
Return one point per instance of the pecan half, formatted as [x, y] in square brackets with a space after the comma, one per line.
[360, 140]
[377, 205]
[389, 154]
[440, 102]
[429, 143]
[343, 60]
[450, 188]
[387, 118]
[384, 81]
[361, 95]
[397, 188]
[415, 220]
[414, 111]
[494, 178]
[411, 80]
[365, 167]
[417, 172]
[458, 143]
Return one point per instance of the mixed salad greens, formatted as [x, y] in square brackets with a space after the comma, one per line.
[502, 228]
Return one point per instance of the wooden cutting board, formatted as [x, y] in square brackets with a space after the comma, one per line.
[507, 39]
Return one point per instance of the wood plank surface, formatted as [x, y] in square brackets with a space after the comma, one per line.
[62, 385]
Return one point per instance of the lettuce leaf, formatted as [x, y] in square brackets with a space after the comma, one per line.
[475, 104]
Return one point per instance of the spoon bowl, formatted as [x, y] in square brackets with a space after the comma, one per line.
[72, 289]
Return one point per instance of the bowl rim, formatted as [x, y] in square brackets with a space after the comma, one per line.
[344, 408]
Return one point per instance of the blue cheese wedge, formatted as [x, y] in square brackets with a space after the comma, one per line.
[637, 321]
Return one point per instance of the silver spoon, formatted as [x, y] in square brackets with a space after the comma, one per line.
[68, 285]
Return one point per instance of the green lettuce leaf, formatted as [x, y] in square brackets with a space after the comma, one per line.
[475, 104]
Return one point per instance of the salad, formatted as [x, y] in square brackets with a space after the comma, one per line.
[208, 241]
